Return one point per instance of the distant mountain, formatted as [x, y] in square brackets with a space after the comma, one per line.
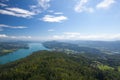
[74, 49]
[109, 47]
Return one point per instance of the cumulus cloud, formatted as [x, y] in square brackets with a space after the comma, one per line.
[78, 36]
[81, 6]
[35, 9]
[51, 18]
[44, 3]
[105, 4]
[13, 27]
[40, 6]
[18, 12]
[84, 5]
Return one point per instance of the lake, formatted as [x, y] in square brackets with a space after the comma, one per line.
[21, 53]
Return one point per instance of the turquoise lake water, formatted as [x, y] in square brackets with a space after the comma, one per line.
[21, 53]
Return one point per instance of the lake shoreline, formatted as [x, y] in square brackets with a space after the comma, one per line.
[21, 53]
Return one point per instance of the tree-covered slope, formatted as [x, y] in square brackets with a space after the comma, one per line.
[46, 65]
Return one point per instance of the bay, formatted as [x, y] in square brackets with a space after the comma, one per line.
[21, 53]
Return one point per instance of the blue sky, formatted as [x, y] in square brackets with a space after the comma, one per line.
[60, 19]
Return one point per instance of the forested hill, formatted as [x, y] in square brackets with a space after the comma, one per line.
[75, 49]
[62, 45]
[49, 65]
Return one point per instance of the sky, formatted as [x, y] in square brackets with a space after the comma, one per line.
[60, 19]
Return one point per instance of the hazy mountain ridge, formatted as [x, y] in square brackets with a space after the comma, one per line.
[110, 47]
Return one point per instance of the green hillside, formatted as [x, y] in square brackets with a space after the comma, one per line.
[46, 65]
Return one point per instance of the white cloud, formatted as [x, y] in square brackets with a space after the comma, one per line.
[58, 13]
[16, 27]
[19, 37]
[13, 27]
[72, 33]
[78, 36]
[36, 9]
[51, 30]
[51, 18]
[105, 4]
[3, 36]
[44, 3]
[40, 6]
[15, 37]
[67, 35]
[18, 12]
[21, 11]
[3, 5]
[81, 6]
